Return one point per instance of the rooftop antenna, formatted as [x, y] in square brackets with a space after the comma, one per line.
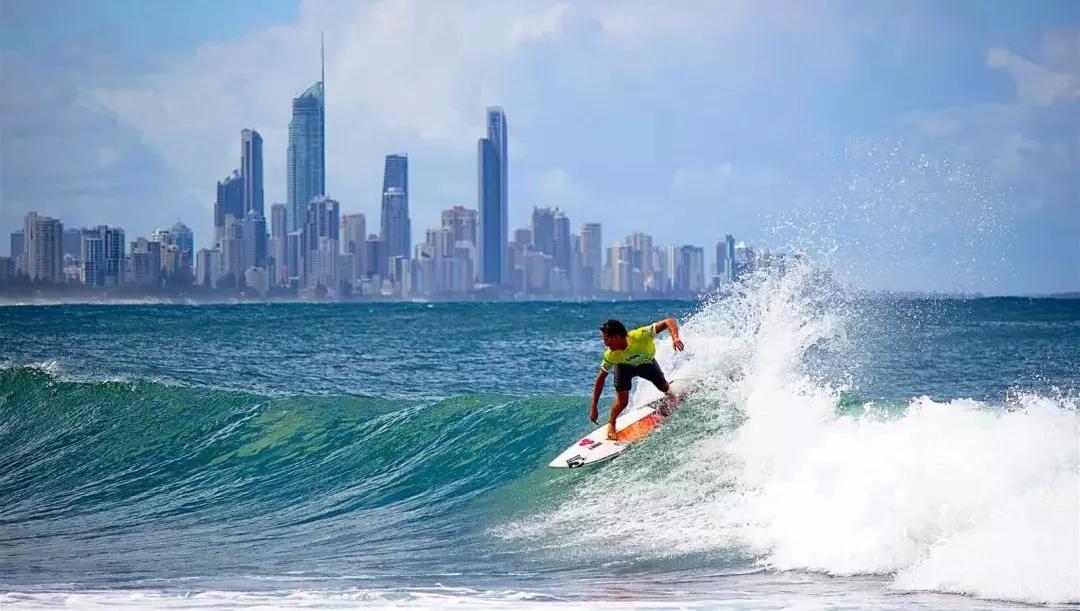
[322, 58]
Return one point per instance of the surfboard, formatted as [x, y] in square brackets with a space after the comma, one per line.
[632, 425]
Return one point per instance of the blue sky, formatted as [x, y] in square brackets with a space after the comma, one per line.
[907, 145]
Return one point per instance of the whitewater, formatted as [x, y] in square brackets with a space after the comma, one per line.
[839, 451]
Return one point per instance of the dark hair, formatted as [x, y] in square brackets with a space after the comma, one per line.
[613, 328]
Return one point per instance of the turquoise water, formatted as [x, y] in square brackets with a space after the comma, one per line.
[838, 451]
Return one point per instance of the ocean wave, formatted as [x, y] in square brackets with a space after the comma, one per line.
[767, 462]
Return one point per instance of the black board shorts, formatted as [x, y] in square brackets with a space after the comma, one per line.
[625, 374]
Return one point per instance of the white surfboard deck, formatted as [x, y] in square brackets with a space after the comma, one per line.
[632, 425]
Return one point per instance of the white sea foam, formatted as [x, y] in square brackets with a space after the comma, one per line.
[953, 496]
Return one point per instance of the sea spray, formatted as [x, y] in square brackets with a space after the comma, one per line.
[956, 495]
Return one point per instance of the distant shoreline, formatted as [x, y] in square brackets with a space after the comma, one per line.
[200, 300]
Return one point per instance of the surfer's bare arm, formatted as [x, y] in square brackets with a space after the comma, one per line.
[598, 387]
[669, 324]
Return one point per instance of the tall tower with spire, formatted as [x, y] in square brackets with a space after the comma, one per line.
[307, 148]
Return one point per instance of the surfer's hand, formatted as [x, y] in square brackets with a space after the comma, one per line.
[677, 344]
[611, 431]
[593, 414]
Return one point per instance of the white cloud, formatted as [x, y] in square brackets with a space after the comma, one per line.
[703, 178]
[555, 188]
[1034, 83]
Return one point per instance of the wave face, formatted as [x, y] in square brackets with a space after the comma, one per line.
[379, 452]
[775, 460]
[148, 480]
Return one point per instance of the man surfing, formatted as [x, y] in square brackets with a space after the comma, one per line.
[630, 354]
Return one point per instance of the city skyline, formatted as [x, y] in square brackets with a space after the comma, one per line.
[979, 175]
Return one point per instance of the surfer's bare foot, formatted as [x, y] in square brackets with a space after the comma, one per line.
[611, 431]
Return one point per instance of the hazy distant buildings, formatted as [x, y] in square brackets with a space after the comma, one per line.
[592, 253]
[92, 256]
[43, 250]
[144, 268]
[725, 260]
[462, 223]
[493, 186]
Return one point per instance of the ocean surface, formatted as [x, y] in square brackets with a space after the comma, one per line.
[839, 452]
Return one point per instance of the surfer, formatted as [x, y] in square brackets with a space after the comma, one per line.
[630, 354]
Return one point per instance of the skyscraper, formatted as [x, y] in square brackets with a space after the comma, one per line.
[396, 173]
[92, 258]
[461, 222]
[394, 225]
[17, 243]
[320, 249]
[729, 259]
[145, 262]
[353, 233]
[307, 151]
[230, 202]
[543, 230]
[279, 227]
[641, 255]
[182, 236]
[493, 183]
[591, 257]
[254, 240]
[44, 248]
[690, 275]
[251, 168]
[561, 247]
[353, 236]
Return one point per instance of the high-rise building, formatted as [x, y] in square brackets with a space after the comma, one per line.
[321, 235]
[18, 252]
[462, 223]
[251, 168]
[230, 202]
[44, 248]
[743, 259]
[183, 238]
[641, 255]
[396, 173]
[543, 230]
[493, 183]
[592, 250]
[728, 275]
[353, 236]
[145, 267]
[17, 243]
[92, 258]
[690, 275]
[307, 151]
[374, 257]
[294, 258]
[394, 225]
[353, 233]
[621, 268]
[561, 247]
[205, 275]
[115, 256]
[72, 243]
[279, 227]
[254, 240]
[161, 236]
